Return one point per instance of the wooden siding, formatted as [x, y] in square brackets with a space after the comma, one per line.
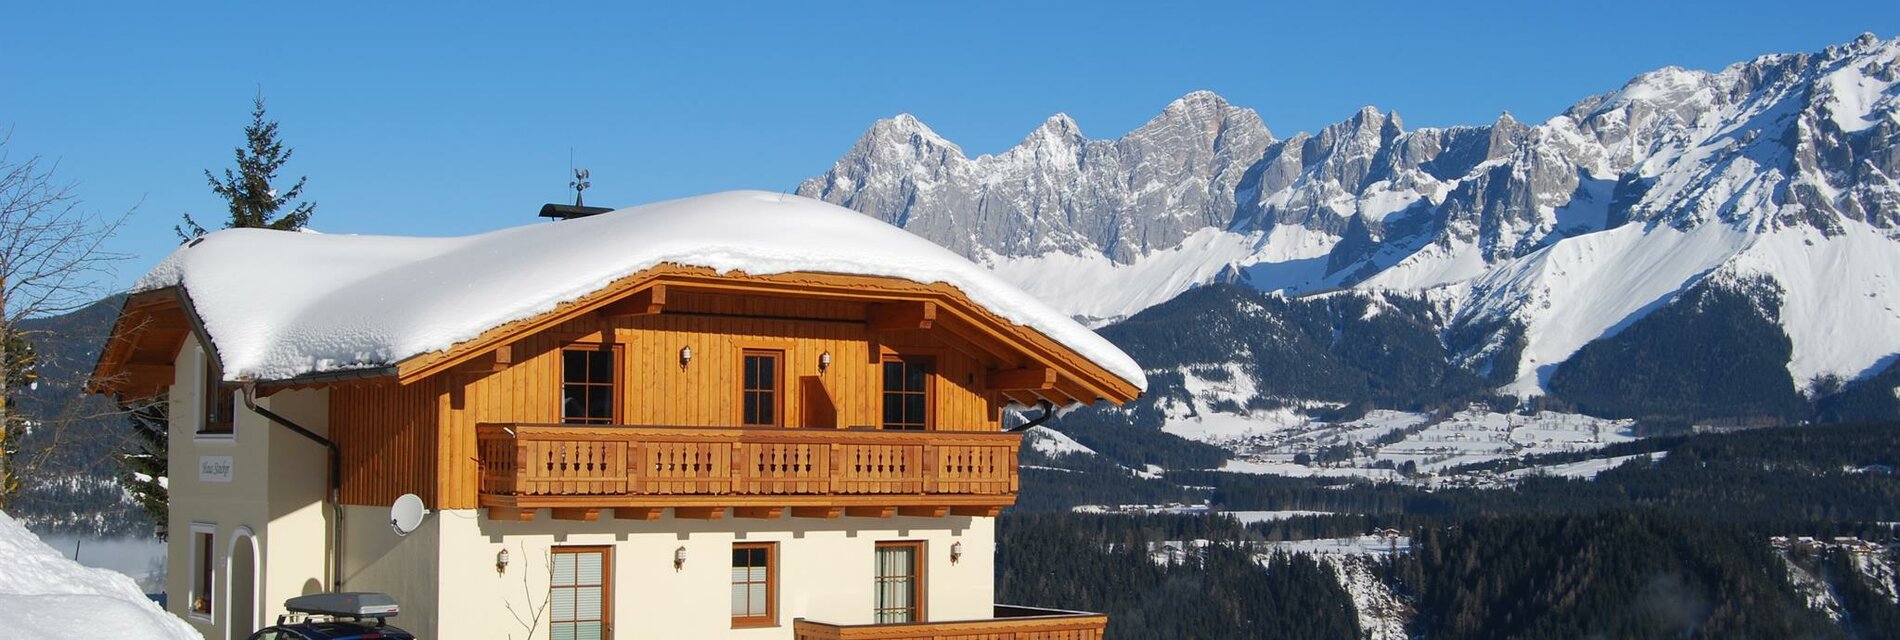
[387, 434]
[1011, 623]
[657, 390]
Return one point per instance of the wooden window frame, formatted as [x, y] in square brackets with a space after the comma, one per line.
[778, 390]
[606, 584]
[204, 568]
[217, 408]
[932, 363]
[919, 578]
[770, 619]
[618, 388]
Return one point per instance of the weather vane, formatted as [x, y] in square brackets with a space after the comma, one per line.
[579, 184]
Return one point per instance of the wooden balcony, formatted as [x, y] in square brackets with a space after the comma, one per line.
[639, 471]
[1010, 623]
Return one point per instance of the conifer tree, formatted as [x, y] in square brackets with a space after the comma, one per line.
[253, 201]
[143, 471]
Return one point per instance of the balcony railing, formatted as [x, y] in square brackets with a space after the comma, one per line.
[526, 466]
[1010, 623]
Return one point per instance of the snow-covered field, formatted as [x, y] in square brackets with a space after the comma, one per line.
[1367, 545]
[45, 595]
[1384, 446]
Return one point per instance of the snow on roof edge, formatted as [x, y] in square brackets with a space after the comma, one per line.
[364, 301]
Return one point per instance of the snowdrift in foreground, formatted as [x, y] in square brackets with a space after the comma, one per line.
[45, 595]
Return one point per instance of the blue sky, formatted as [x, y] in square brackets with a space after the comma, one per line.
[450, 118]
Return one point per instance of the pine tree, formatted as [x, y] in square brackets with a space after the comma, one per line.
[143, 471]
[253, 200]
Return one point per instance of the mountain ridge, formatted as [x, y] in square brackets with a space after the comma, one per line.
[1782, 166]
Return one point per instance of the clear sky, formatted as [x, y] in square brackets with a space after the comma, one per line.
[450, 118]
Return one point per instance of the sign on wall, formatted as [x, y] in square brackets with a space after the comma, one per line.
[214, 468]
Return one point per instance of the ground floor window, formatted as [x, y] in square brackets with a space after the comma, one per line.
[581, 594]
[754, 584]
[203, 561]
[900, 591]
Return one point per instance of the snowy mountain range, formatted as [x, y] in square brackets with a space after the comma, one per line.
[1774, 177]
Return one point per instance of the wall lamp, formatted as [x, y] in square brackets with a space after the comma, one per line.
[956, 552]
[686, 356]
[501, 561]
[679, 559]
[824, 361]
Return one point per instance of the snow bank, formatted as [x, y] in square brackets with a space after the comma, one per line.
[45, 595]
[279, 305]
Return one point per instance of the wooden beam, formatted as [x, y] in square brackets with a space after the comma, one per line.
[507, 513]
[896, 316]
[144, 382]
[1024, 379]
[762, 513]
[699, 513]
[149, 371]
[817, 512]
[645, 302]
[582, 514]
[496, 360]
[976, 510]
[924, 512]
[870, 512]
[638, 513]
[153, 358]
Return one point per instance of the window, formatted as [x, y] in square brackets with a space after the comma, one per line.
[754, 584]
[907, 393]
[900, 591]
[219, 401]
[759, 397]
[589, 384]
[581, 594]
[203, 537]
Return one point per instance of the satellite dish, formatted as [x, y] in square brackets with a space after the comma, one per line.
[406, 514]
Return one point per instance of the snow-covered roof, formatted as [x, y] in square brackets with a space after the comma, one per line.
[279, 305]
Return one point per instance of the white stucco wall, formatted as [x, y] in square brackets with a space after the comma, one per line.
[274, 493]
[825, 572]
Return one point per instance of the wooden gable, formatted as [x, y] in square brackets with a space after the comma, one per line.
[1023, 365]
[137, 359]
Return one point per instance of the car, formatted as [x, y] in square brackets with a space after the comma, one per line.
[349, 630]
[353, 615]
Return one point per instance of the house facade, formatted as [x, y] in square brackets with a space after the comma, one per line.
[736, 416]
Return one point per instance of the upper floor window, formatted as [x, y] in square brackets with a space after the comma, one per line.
[589, 385]
[907, 393]
[220, 401]
[759, 397]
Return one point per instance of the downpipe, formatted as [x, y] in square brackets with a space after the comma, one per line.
[1048, 411]
[336, 480]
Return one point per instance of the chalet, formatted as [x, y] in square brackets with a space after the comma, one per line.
[741, 415]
